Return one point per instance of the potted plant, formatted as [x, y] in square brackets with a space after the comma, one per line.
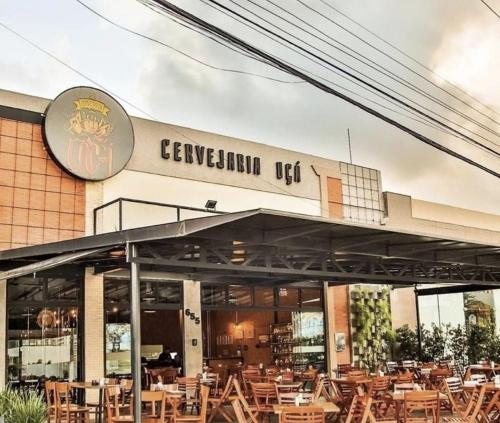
[22, 407]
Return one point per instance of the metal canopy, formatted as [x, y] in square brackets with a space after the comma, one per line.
[265, 246]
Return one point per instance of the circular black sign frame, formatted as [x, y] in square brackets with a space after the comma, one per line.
[88, 133]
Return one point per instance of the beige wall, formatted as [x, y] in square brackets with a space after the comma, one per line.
[403, 308]
[193, 355]
[400, 216]
[455, 215]
[94, 328]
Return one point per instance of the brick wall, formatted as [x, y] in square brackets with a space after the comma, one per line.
[39, 203]
[340, 293]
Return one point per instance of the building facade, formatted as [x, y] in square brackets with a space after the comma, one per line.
[74, 324]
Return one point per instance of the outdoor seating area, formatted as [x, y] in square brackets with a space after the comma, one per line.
[407, 391]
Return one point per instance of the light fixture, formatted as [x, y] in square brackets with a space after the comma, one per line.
[210, 204]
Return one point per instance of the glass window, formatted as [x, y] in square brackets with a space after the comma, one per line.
[26, 289]
[213, 295]
[240, 295]
[42, 342]
[264, 297]
[116, 291]
[160, 292]
[288, 297]
[62, 289]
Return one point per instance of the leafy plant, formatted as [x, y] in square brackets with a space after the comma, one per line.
[434, 342]
[408, 343]
[458, 344]
[22, 407]
[371, 319]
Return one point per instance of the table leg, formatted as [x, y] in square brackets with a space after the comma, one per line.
[100, 411]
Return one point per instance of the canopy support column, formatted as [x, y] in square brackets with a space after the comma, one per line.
[135, 322]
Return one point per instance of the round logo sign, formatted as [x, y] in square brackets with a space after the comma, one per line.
[88, 133]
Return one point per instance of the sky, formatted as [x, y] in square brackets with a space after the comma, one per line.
[457, 39]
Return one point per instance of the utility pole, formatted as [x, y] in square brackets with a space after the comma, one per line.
[349, 142]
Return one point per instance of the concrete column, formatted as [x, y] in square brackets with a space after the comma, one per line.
[331, 353]
[94, 328]
[3, 331]
[193, 350]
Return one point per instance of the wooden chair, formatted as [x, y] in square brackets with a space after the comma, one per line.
[288, 398]
[151, 400]
[113, 409]
[391, 367]
[238, 411]
[265, 396]
[343, 369]
[305, 414]
[452, 387]
[50, 396]
[473, 410]
[359, 409]
[437, 377]
[406, 377]
[65, 408]
[357, 374]
[479, 378]
[423, 402]
[344, 392]
[202, 416]
[190, 387]
[217, 403]
[250, 376]
[379, 392]
[250, 410]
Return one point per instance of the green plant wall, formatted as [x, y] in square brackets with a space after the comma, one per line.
[371, 326]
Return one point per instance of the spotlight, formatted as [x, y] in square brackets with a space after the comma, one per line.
[210, 205]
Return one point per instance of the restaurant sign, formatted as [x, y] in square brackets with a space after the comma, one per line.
[88, 133]
[225, 160]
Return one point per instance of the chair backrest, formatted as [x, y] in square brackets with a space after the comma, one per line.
[408, 363]
[309, 375]
[479, 378]
[345, 390]
[188, 385]
[204, 392]
[391, 367]
[379, 386]
[303, 415]
[62, 397]
[288, 398]
[152, 398]
[357, 374]
[453, 385]
[50, 393]
[343, 369]
[264, 394]
[127, 384]
[421, 401]
[405, 377]
[359, 409]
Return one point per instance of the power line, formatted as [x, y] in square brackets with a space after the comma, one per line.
[154, 40]
[422, 65]
[123, 100]
[491, 9]
[351, 75]
[186, 16]
[371, 63]
[414, 116]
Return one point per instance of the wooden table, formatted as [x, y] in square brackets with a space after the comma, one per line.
[487, 370]
[328, 407]
[288, 386]
[89, 385]
[362, 384]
